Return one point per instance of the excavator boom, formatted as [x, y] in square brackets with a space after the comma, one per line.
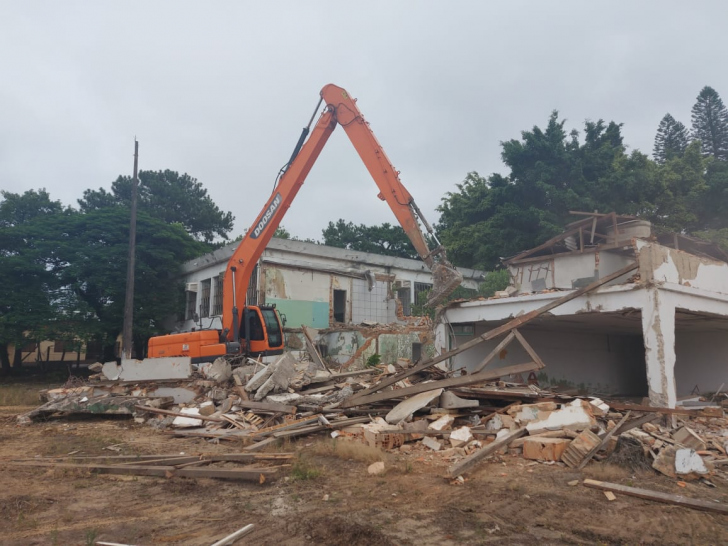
[339, 109]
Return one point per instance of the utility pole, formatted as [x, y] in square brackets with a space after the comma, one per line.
[126, 337]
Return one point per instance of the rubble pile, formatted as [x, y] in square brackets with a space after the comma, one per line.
[259, 403]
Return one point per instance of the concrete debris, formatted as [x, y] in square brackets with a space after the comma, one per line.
[449, 400]
[460, 436]
[442, 423]
[178, 367]
[218, 371]
[376, 468]
[188, 421]
[573, 416]
[406, 408]
[431, 443]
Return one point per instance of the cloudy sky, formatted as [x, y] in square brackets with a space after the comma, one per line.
[220, 90]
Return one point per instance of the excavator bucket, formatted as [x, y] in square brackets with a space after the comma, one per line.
[445, 279]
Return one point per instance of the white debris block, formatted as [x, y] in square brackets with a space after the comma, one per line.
[219, 370]
[376, 468]
[442, 423]
[430, 442]
[599, 407]
[688, 461]
[149, 369]
[184, 422]
[260, 377]
[573, 416]
[406, 408]
[460, 436]
[281, 377]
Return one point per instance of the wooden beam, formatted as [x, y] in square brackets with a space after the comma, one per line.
[495, 332]
[620, 406]
[311, 347]
[250, 474]
[498, 348]
[603, 443]
[528, 349]
[474, 458]
[637, 422]
[679, 500]
[461, 381]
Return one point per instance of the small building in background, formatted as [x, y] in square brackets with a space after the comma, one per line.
[360, 303]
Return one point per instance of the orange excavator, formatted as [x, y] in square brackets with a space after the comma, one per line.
[257, 330]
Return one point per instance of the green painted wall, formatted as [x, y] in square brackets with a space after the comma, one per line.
[309, 313]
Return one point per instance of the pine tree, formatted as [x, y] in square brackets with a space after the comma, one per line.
[671, 139]
[710, 123]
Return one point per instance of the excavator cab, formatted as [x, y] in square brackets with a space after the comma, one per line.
[261, 332]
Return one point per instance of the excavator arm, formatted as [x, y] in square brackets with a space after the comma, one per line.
[340, 109]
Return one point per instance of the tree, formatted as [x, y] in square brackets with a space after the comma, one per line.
[383, 239]
[710, 123]
[671, 139]
[27, 286]
[88, 253]
[170, 197]
[551, 173]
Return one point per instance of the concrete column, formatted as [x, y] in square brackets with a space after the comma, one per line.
[442, 336]
[658, 331]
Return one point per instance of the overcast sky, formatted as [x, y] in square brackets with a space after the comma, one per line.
[220, 90]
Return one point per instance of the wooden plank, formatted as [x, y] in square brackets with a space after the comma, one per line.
[285, 426]
[498, 348]
[474, 458]
[260, 445]
[251, 474]
[176, 414]
[637, 422]
[461, 381]
[311, 348]
[679, 500]
[495, 332]
[620, 406]
[600, 445]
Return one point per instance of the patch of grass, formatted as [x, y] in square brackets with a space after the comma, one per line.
[91, 537]
[304, 470]
[19, 394]
[350, 450]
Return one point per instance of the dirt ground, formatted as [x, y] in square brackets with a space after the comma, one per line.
[328, 499]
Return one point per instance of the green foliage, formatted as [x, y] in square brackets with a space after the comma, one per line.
[671, 139]
[63, 272]
[282, 233]
[384, 239]
[302, 469]
[710, 123]
[373, 361]
[552, 172]
[494, 281]
[169, 197]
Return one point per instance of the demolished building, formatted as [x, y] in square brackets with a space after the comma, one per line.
[658, 331]
[359, 303]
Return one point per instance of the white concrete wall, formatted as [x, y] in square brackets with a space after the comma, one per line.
[702, 360]
[562, 271]
[597, 362]
[661, 264]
